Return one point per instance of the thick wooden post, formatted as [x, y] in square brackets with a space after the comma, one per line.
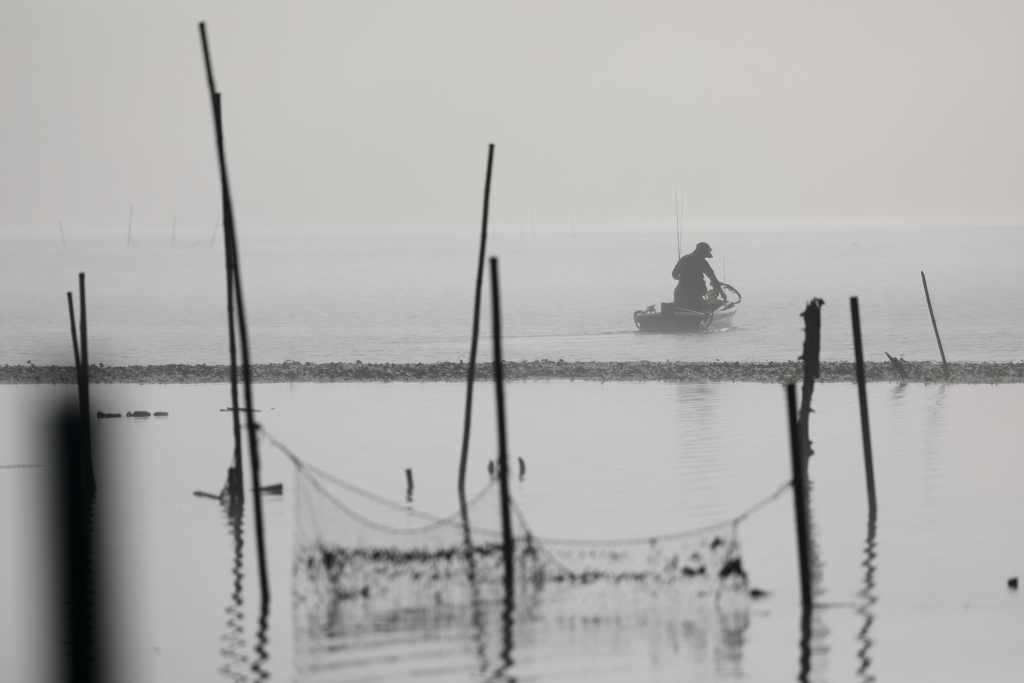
[945, 368]
[803, 533]
[862, 392]
[506, 522]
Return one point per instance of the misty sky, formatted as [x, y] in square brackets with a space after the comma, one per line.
[376, 115]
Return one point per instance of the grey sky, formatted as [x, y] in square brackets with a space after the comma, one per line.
[376, 115]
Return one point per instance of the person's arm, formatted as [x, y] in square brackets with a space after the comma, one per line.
[675, 271]
[715, 284]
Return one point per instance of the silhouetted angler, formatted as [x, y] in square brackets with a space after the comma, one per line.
[690, 271]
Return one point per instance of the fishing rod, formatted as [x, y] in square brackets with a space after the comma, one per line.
[679, 231]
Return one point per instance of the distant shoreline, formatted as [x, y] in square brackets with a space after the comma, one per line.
[921, 372]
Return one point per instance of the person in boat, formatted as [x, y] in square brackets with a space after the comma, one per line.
[690, 271]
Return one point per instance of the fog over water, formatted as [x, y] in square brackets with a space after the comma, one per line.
[404, 298]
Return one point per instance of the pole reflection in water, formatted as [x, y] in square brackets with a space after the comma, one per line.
[805, 645]
[813, 629]
[259, 666]
[479, 628]
[234, 637]
[502, 673]
[868, 599]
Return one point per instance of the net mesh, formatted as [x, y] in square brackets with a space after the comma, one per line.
[375, 558]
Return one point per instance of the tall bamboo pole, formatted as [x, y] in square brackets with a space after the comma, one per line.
[499, 389]
[471, 372]
[235, 487]
[90, 476]
[229, 231]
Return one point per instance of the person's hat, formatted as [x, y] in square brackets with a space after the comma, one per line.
[705, 249]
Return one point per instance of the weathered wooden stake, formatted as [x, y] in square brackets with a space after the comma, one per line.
[862, 392]
[812, 368]
[945, 368]
[803, 533]
[229, 231]
[408, 484]
[506, 522]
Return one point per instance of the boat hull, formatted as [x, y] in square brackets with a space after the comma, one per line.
[673, 320]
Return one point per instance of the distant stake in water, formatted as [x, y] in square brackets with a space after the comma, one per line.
[408, 484]
[506, 524]
[945, 368]
[862, 393]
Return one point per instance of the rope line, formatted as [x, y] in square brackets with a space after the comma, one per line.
[405, 509]
[454, 520]
[732, 521]
[311, 472]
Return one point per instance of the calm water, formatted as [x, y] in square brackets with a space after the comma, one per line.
[403, 298]
[603, 460]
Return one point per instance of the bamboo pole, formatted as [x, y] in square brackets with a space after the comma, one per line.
[229, 230]
[945, 368]
[471, 372]
[799, 466]
[862, 393]
[235, 487]
[506, 523]
[90, 476]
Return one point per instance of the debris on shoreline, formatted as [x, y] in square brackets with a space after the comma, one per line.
[772, 372]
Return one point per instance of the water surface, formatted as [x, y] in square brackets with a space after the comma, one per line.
[924, 600]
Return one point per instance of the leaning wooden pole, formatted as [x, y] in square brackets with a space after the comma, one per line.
[945, 368]
[471, 372]
[90, 476]
[862, 392]
[803, 532]
[229, 230]
[74, 335]
[499, 389]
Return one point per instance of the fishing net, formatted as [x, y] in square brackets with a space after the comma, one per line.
[372, 559]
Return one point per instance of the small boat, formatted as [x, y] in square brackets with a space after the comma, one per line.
[716, 314]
